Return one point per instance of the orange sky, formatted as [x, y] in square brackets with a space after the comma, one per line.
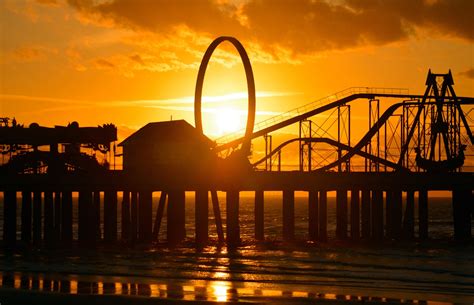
[131, 62]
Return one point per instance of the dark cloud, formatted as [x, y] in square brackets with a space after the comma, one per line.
[468, 73]
[103, 63]
[163, 15]
[303, 26]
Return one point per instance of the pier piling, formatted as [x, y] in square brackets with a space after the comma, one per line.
[288, 215]
[232, 221]
[341, 214]
[313, 217]
[409, 217]
[37, 217]
[202, 216]
[26, 208]
[423, 214]
[355, 215]
[323, 215]
[145, 215]
[462, 211]
[110, 216]
[66, 217]
[9, 214]
[365, 227]
[176, 231]
[259, 215]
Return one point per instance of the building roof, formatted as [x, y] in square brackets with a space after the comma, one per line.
[167, 131]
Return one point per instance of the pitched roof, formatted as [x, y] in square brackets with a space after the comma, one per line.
[167, 131]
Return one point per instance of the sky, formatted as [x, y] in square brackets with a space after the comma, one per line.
[132, 62]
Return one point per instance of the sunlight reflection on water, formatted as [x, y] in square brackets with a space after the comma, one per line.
[219, 290]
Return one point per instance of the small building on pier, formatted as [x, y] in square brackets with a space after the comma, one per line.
[169, 146]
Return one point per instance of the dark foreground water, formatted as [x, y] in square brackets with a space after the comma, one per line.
[439, 271]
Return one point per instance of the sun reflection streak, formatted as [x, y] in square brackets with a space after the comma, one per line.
[220, 291]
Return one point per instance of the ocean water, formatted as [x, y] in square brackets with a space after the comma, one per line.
[437, 271]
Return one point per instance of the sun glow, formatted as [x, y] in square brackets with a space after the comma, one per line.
[228, 120]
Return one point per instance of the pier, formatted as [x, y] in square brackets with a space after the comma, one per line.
[420, 143]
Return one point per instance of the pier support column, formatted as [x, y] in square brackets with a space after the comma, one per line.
[232, 211]
[288, 215]
[313, 215]
[145, 215]
[423, 214]
[37, 211]
[341, 214]
[66, 217]
[110, 216]
[84, 219]
[389, 214]
[9, 218]
[125, 216]
[409, 218]
[159, 216]
[48, 217]
[134, 216]
[462, 199]
[259, 215]
[96, 228]
[26, 207]
[365, 214]
[176, 230]
[355, 215]
[202, 216]
[377, 215]
[397, 214]
[57, 216]
[323, 216]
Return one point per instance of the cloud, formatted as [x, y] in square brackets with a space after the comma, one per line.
[301, 26]
[31, 53]
[468, 73]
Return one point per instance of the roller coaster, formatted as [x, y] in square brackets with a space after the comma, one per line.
[429, 132]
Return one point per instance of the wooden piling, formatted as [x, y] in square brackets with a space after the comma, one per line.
[159, 215]
[397, 214]
[66, 217]
[217, 216]
[341, 214]
[462, 199]
[259, 215]
[110, 216]
[423, 214]
[355, 215]
[9, 218]
[323, 216]
[26, 207]
[48, 217]
[96, 222]
[176, 230]
[201, 216]
[389, 214]
[37, 223]
[125, 216]
[84, 219]
[377, 215]
[145, 216]
[232, 217]
[365, 214]
[288, 215]
[57, 216]
[409, 217]
[134, 216]
[313, 215]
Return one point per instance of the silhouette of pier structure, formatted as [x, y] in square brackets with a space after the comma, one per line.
[418, 144]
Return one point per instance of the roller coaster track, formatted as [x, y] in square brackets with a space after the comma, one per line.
[333, 143]
[317, 107]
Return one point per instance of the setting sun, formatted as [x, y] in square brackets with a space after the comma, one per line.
[227, 120]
